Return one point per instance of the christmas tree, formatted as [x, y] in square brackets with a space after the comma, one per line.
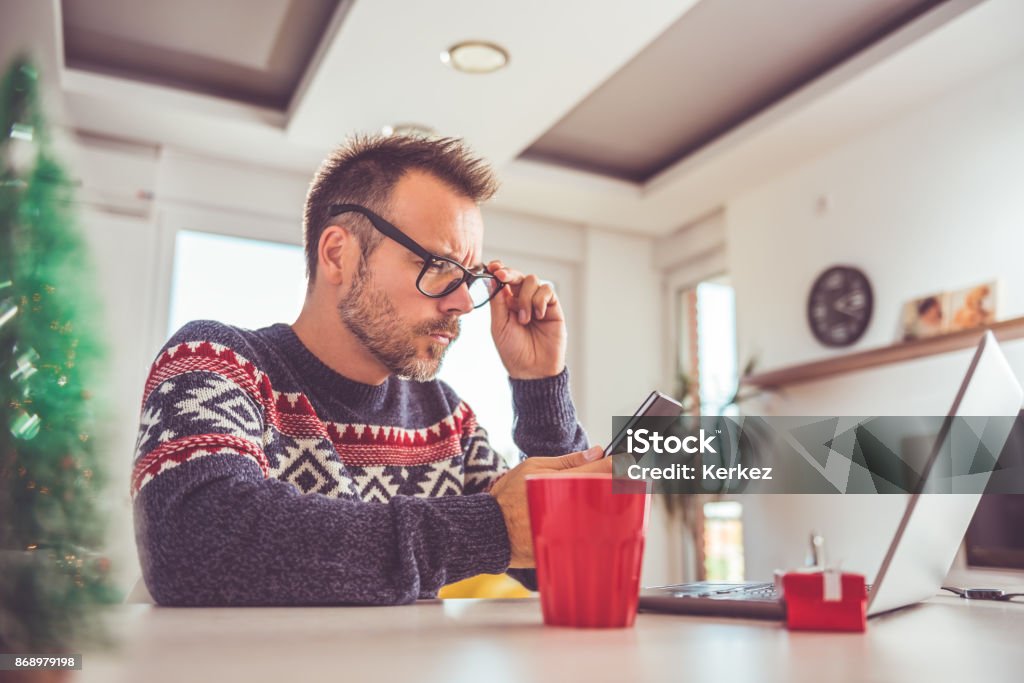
[51, 576]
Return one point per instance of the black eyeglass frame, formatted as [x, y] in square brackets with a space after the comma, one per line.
[389, 230]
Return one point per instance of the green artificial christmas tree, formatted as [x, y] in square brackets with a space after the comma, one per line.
[51, 576]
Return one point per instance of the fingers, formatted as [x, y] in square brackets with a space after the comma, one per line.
[602, 466]
[509, 276]
[500, 306]
[524, 300]
[543, 298]
[531, 297]
[503, 305]
[578, 459]
[504, 273]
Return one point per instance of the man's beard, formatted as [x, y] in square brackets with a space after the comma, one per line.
[372, 318]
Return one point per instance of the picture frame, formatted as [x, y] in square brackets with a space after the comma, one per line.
[973, 307]
[925, 316]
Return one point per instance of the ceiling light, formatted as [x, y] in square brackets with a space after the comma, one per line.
[475, 57]
[409, 129]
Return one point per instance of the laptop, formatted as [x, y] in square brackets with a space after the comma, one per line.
[927, 537]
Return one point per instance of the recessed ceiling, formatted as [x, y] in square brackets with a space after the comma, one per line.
[245, 50]
[563, 54]
[720, 64]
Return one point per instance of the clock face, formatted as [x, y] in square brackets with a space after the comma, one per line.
[839, 307]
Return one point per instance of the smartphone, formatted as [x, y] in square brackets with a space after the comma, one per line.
[655, 405]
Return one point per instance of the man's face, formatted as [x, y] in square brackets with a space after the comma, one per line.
[407, 332]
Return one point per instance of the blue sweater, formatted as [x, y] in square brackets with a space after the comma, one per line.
[263, 477]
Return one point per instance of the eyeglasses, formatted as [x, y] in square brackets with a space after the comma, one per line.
[440, 275]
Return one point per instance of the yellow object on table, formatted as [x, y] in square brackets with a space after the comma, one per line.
[485, 586]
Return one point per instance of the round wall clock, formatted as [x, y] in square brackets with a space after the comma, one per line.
[839, 306]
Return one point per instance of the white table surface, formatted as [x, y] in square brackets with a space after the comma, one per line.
[943, 639]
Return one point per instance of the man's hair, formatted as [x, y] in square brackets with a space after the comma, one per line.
[366, 169]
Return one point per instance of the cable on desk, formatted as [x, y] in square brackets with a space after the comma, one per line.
[983, 593]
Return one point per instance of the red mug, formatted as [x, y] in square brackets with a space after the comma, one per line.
[588, 542]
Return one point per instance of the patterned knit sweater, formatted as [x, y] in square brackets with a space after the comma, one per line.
[263, 477]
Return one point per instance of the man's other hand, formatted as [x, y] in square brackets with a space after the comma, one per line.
[527, 324]
[510, 492]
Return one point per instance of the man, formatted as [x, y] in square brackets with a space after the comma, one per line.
[322, 463]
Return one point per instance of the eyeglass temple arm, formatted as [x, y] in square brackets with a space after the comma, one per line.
[397, 235]
[385, 228]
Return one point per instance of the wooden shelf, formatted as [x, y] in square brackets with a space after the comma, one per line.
[919, 348]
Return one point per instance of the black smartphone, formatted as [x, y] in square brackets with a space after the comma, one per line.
[655, 405]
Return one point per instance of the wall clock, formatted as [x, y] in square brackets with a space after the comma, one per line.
[839, 306]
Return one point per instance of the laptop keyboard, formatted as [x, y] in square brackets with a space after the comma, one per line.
[708, 589]
[725, 591]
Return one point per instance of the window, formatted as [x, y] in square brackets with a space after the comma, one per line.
[723, 541]
[244, 282]
[473, 368]
[475, 371]
[707, 357]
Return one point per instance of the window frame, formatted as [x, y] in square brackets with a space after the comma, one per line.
[227, 223]
[675, 282]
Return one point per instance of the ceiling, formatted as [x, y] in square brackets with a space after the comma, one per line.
[634, 116]
[720, 64]
[185, 44]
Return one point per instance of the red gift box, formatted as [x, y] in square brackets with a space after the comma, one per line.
[825, 601]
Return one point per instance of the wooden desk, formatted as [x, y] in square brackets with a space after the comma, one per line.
[944, 639]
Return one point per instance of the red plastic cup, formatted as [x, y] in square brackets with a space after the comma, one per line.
[589, 544]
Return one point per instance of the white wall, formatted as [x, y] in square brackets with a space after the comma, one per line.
[621, 328]
[929, 201]
[125, 288]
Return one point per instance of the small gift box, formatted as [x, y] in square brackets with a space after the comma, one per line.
[825, 601]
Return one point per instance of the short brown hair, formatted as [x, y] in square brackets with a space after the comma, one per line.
[366, 169]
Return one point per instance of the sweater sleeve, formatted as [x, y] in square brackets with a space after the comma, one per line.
[545, 425]
[213, 529]
[545, 418]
